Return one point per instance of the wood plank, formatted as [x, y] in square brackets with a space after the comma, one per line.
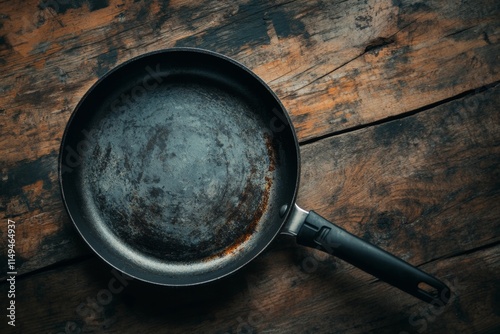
[398, 217]
[400, 58]
[273, 294]
[430, 180]
[435, 171]
[313, 55]
[49, 56]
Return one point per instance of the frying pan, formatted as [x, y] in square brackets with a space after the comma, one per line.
[180, 166]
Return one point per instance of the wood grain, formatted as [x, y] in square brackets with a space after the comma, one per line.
[336, 65]
[388, 183]
[429, 181]
[274, 294]
[395, 104]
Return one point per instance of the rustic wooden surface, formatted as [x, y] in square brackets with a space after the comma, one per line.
[396, 105]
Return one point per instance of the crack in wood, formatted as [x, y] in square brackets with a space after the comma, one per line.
[61, 264]
[458, 32]
[486, 38]
[379, 43]
[464, 252]
[374, 44]
[402, 115]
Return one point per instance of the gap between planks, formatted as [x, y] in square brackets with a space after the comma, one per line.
[472, 92]
[467, 93]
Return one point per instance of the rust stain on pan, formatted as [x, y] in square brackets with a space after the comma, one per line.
[243, 211]
[181, 191]
[254, 221]
[271, 152]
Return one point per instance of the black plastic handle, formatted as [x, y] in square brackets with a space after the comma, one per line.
[319, 233]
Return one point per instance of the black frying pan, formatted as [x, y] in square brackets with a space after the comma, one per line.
[180, 166]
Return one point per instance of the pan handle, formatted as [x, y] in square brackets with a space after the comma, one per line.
[314, 231]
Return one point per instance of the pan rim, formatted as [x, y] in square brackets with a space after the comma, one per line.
[98, 82]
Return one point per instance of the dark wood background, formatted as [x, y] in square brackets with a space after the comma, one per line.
[396, 105]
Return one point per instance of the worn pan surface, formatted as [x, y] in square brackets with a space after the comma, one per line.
[180, 166]
[171, 170]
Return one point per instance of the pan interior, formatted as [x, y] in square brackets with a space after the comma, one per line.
[182, 175]
[174, 172]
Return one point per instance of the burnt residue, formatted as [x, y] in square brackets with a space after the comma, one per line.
[140, 227]
[103, 163]
[158, 140]
[183, 174]
[239, 220]
[156, 192]
[271, 152]
[143, 231]
[243, 213]
[254, 222]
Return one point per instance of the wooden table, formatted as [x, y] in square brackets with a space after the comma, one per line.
[396, 106]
